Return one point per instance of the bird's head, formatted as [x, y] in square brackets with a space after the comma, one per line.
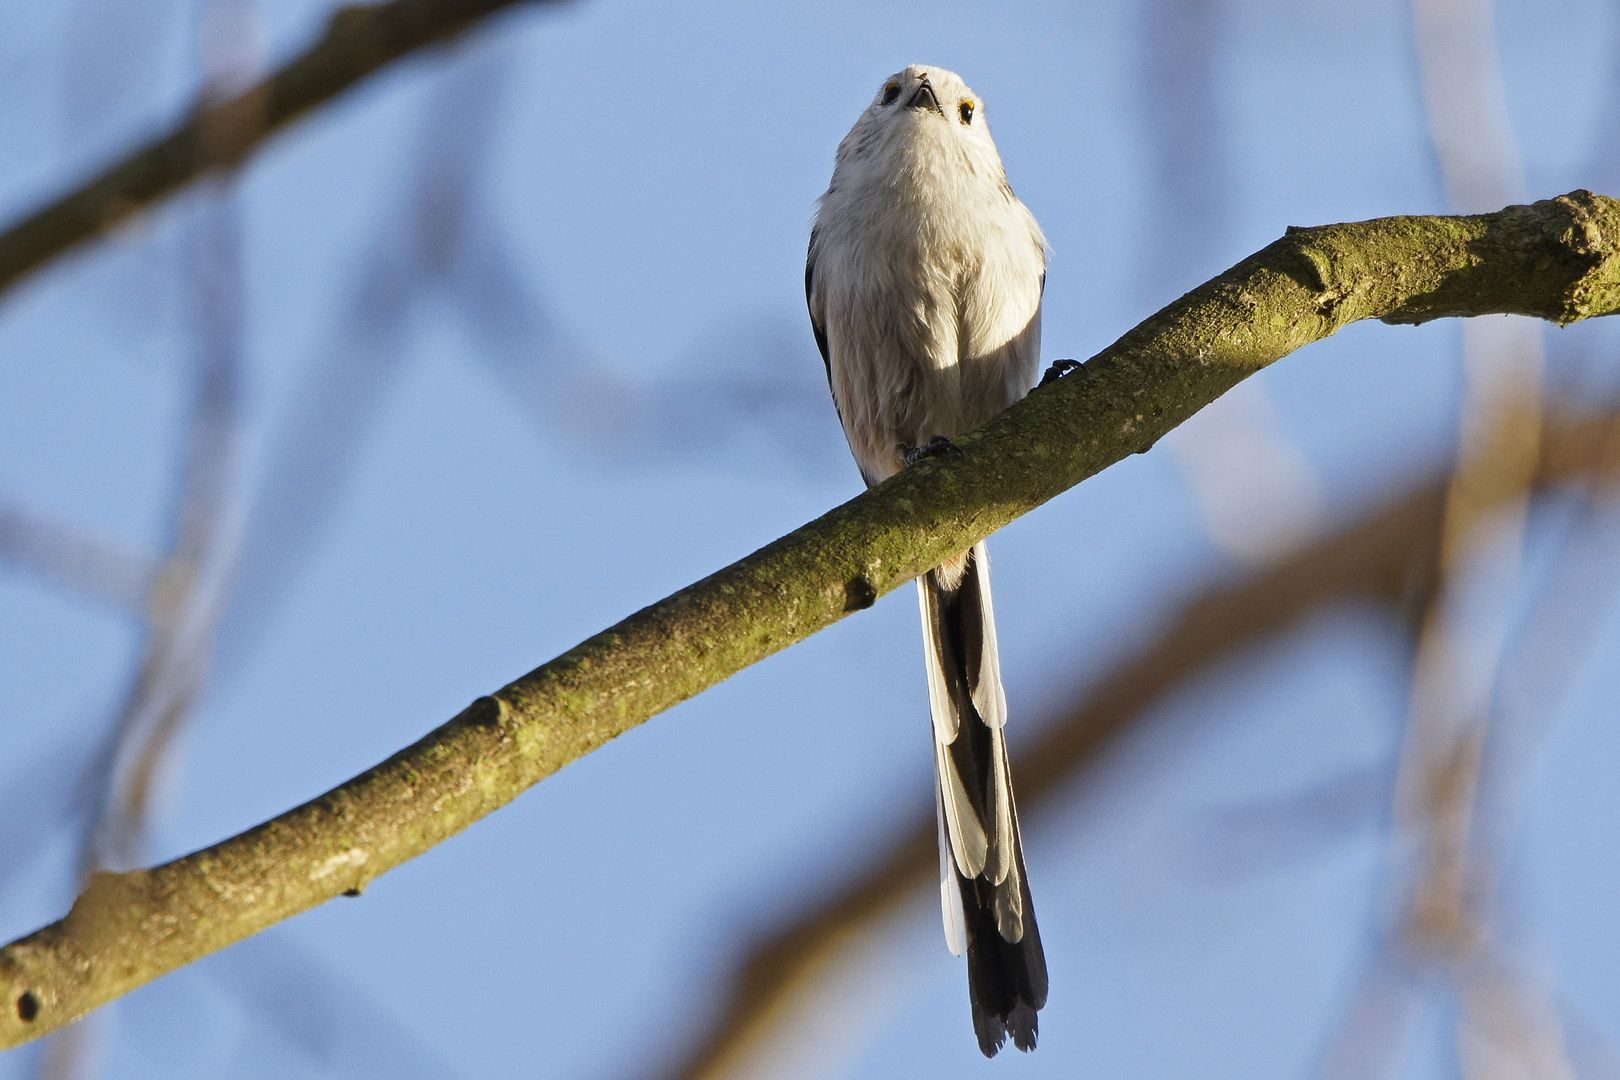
[922, 93]
[923, 106]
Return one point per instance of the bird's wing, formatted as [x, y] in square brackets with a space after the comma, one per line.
[818, 315]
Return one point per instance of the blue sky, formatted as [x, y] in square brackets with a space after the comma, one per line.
[641, 405]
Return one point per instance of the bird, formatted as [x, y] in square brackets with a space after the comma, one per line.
[924, 282]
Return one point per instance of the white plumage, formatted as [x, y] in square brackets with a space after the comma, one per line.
[924, 283]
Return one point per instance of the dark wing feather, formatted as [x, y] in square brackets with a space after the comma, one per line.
[817, 327]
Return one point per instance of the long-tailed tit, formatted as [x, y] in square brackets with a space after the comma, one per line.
[924, 283]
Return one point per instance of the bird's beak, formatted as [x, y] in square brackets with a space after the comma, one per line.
[924, 99]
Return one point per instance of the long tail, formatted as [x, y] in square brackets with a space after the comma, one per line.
[983, 887]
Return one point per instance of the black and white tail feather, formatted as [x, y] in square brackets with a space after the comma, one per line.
[984, 891]
[924, 281]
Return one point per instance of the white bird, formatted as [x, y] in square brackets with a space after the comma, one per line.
[924, 283]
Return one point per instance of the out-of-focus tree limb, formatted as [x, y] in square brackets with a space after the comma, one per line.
[182, 606]
[1444, 921]
[1388, 557]
[359, 40]
[1462, 633]
[68, 556]
[1558, 259]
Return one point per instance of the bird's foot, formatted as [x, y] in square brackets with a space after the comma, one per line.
[938, 446]
[1059, 369]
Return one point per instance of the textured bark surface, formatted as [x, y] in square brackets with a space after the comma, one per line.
[1557, 260]
[358, 40]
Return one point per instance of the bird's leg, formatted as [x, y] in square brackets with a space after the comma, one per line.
[1059, 369]
[937, 446]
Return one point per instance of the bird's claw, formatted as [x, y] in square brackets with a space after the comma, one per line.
[1059, 369]
[935, 447]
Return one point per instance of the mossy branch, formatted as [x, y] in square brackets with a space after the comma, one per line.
[359, 39]
[1558, 260]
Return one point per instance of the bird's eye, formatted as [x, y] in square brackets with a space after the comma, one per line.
[890, 92]
[965, 111]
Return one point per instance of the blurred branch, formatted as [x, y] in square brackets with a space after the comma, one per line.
[1388, 557]
[1255, 493]
[321, 1016]
[1561, 631]
[336, 406]
[1466, 102]
[182, 607]
[70, 557]
[1445, 920]
[359, 39]
[1487, 507]
[1559, 259]
[1185, 132]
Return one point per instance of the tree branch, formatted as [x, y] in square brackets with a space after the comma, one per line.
[1559, 260]
[359, 39]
